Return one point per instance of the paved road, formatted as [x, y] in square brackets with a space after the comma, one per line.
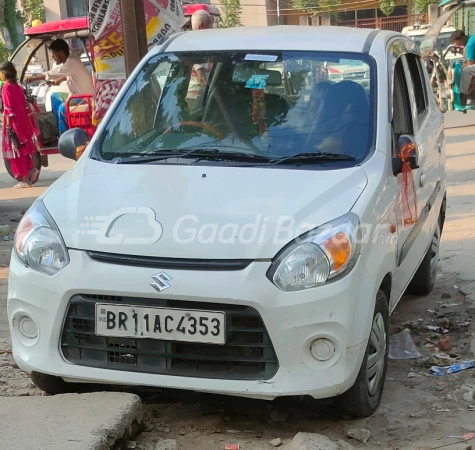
[12, 201]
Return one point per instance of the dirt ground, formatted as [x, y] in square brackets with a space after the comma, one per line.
[418, 408]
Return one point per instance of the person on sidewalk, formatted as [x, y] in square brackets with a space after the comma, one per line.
[19, 132]
[460, 39]
[72, 69]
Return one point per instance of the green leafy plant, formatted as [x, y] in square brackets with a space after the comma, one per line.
[387, 6]
[423, 5]
[32, 10]
[330, 7]
[10, 20]
[231, 14]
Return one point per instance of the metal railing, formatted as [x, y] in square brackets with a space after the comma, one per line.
[395, 23]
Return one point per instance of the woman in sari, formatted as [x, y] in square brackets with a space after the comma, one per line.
[19, 132]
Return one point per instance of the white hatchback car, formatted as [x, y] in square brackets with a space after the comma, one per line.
[248, 235]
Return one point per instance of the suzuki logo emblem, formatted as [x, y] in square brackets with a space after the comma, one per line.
[161, 281]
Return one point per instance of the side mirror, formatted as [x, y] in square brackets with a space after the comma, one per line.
[407, 154]
[71, 142]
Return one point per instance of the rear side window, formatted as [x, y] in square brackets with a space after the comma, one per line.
[418, 81]
[402, 116]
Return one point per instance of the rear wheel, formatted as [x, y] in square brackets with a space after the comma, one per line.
[364, 397]
[424, 279]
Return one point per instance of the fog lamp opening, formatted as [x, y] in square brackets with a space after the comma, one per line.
[322, 349]
[28, 327]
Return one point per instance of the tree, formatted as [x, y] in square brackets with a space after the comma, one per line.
[318, 6]
[387, 6]
[32, 10]
[423, 5]
[10, 20]
[231, 14]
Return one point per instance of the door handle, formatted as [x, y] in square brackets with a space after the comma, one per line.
[421, 180]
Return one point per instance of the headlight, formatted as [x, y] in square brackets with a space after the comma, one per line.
[320, 255]
[38, 242]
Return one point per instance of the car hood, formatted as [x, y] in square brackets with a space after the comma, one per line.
[204, 212]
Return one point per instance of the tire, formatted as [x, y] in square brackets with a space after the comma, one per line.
[50, 384]
[364, 397]
[36, 160]
[424, 279]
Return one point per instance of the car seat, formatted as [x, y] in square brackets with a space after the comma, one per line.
[352, 120]
[318, 123]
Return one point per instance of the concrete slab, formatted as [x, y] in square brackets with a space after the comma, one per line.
[95, 421]
[311, 441]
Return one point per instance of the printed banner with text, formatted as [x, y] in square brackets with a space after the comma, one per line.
[162, 18]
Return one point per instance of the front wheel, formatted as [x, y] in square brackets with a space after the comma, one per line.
[364, 397]
[50, 384]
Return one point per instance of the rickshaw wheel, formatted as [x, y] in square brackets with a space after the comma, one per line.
[36, 160]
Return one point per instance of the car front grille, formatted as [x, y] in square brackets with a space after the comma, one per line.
[248, 353]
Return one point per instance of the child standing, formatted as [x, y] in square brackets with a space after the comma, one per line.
[19, 132]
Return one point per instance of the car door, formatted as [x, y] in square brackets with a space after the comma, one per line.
[411, 117]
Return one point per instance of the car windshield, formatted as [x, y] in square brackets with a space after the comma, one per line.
[271, 104]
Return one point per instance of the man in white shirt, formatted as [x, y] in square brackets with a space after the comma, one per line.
[71, 69]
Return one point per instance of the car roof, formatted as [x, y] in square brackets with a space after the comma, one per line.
[281, 37]
[58, 27]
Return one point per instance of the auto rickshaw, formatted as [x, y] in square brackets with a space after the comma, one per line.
[445, 68]
[32, 56]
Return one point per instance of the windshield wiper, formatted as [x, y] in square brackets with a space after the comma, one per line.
[306, 157]
[196, 152]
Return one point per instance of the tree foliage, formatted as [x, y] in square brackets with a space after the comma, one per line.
[10, 20]
[231, 14]
[318, 6]
[32, 10]
[387, 6]
[423, 5]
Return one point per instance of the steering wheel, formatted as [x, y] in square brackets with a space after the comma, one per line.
[195, 124]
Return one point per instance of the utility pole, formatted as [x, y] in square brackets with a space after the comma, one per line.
[132, 17]
[278, 12]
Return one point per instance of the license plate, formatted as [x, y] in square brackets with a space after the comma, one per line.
[160, 323]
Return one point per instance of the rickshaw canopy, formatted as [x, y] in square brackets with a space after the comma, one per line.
[58, 26]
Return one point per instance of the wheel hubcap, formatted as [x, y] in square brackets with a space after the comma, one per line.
[434, 253]
[376, 355]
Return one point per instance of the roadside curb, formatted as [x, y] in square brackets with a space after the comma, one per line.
[92, 421]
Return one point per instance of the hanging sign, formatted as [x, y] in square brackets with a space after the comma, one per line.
[162, 18]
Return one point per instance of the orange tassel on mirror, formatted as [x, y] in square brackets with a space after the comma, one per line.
[408, 188]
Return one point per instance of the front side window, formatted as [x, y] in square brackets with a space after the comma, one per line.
[272, 105]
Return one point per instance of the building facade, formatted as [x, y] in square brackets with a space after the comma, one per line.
[62, 9]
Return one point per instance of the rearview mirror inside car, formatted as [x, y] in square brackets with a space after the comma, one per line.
[72, 141]
[406, 154]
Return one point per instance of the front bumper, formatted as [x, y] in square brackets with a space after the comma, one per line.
[341, 312]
